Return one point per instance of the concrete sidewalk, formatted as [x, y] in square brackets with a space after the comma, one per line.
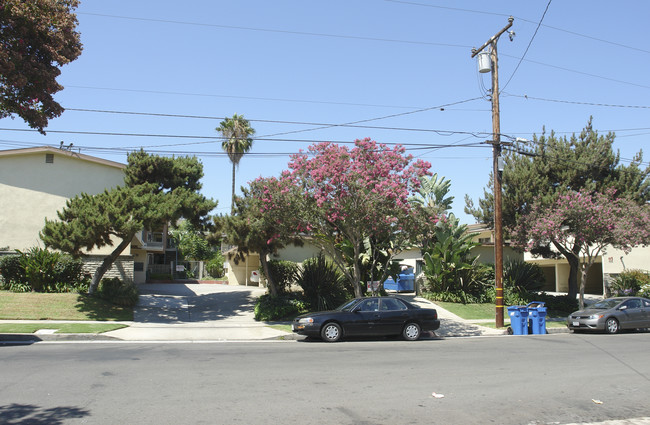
[217, 312]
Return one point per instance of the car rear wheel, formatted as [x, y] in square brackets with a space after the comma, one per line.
[411, 331]
[612, 326]
[331, 332]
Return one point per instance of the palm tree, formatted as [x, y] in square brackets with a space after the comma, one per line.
[236, 133]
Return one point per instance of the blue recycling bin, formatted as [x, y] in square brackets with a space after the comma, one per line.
[518, 319]
[406, 281]
[390, 284]
[537, 317]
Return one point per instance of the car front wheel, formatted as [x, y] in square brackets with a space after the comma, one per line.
[611, 326]
[411, 331]
[331, 332]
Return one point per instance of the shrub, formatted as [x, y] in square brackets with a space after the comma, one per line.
[117, 292]
[214, 267]
[39, 265]
[630, 282]
[645, 291]
[42, 271]
[523, 275]
[11, 271]
[284, 274]
[455, 297]
[70, 272]
[279, 307]
[322, 284]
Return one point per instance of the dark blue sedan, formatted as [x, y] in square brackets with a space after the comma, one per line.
[372, 316]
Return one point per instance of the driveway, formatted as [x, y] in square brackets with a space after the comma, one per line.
[196, 312]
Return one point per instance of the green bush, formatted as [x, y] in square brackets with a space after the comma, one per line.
[284, 274]
[278, 308]
[322, 284]
[11, 271]
[42, 271]
[120, 293]
[523, 275]
[630, 282]
[161, 276]
[39, 265]
[214, 267]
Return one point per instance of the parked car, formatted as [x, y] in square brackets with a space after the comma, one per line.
[612, 315]
[371, 316]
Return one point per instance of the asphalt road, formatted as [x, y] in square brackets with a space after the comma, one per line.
[546, 379]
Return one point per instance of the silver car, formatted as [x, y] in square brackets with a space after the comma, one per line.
[612, 314]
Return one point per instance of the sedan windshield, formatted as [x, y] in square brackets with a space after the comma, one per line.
[606, 304]
[347, 306]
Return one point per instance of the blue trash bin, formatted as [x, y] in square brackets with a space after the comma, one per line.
[537, 317]
[518, 319]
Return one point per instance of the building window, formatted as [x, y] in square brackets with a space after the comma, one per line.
[138, 266]
[49, 158]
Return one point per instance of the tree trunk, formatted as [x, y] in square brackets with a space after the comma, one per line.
[584, 268]
[273, 289]
[232, 198]
[358, 290]
[106, 264]
[573, 259]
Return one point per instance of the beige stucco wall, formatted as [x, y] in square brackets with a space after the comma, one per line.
[297, 254]
[616, 261]
[239, 274]
[31, 190]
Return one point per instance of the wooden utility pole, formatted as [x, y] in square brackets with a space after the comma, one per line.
[496, 155]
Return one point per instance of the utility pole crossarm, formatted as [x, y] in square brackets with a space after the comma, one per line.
[494, 38]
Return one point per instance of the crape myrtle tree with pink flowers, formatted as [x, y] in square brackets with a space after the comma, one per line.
[264, 221]
[585, 223]
[351, 196]
[539, 171]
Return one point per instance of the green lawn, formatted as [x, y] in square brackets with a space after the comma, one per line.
[61, 328]
[68, 306]
[487, 311]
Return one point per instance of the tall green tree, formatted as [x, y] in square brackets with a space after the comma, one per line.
[36, 38]
[539, 172]
[157, 191]
[237, 141]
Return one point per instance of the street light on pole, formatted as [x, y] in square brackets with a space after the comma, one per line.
[484, 66]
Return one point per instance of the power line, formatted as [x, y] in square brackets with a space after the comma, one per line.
[609, 105]
[523, 20]
[270, 99]
[354, 124]
[313, 34]
[527, 47]
[581, 72]
[217, 139]
[384, 40]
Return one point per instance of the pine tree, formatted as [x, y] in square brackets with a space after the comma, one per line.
[539, 172]
[157, 191]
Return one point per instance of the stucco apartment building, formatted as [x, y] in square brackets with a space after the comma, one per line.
[36, 182]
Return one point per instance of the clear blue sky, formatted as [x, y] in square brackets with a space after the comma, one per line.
[286, 63]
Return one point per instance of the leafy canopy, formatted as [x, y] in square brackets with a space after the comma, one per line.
[36, 38]
[158, 191]
[539, 172]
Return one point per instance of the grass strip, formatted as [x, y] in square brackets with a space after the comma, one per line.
[62, 328]
[66, 306]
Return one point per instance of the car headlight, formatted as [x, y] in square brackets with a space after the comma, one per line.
[596, 316]
[306, 320]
